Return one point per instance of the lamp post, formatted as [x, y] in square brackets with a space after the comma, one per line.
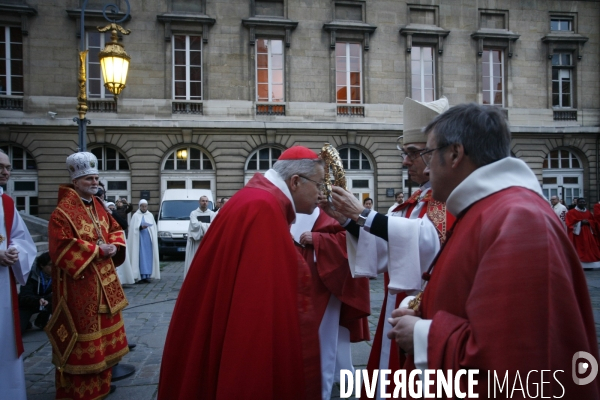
[114, 62]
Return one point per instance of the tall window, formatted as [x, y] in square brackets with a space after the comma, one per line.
[23, 183]
[562, 65]
[359, 174]
[188, 168]
[348, 73]
[187, 67]
[422, 71]
[562, 175]
[493, 77]
[260, 161]
[263, 159]
[561, 24]
[110, 159]
[269, 70]
[187, 158]
[11, 61]
[353, 159]
[115, 174]
[95, 82]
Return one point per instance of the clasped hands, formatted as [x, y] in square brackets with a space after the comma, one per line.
[9, 256]
[403, 326]
[108, 250]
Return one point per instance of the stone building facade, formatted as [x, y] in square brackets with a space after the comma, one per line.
[217, 89]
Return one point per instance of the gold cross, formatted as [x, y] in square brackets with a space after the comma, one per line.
[2, 239]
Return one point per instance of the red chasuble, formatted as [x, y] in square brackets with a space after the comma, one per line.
[508, 294]
[586, 243]
[94, 298]
[331, 276]
[244, 324]
[443, 221]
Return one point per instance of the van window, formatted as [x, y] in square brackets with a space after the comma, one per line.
[179, 209]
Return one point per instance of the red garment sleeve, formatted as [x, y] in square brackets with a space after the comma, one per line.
[528, 302]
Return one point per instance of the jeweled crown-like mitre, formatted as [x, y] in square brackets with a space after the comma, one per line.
[82, 164]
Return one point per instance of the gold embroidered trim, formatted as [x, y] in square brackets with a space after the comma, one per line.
[88, 337]
[108, 362]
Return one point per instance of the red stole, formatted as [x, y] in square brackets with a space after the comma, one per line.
[9, 214]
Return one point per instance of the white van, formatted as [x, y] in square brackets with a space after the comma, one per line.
[174, 218]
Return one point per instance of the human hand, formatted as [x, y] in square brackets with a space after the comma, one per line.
[345, 203]
[402, 332]
[306, 238]
[9, 257]
[43, 303]
[326, 206]
[402, 311]
[109, 250]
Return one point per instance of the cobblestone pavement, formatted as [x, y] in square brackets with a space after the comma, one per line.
[147, 320]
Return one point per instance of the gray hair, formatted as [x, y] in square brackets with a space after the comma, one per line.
[287, 168]
[482, 130]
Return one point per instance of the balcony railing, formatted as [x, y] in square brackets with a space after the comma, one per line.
[186, 107]
[270, 109]
[351, 111]
[11, 103]
[565, 115]
[102, 106]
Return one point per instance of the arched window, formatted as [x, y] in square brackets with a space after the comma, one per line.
[261, 161]
[354, 159]
[188, 167]
[110, 159]
[187, 158]
[561, 159]
[359, 173]
[23, 183]
[114, 172]
[562, 175]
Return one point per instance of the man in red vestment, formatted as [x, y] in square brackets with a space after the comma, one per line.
[342, 303]
[402, 244]
[244, 324]
[86, 329]
[584, 233]
[506, 295]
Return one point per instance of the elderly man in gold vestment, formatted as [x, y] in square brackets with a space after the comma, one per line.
[86, 329]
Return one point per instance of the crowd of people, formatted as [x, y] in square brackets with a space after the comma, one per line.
[479, 274]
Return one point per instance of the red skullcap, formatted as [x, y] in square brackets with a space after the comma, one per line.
[298, 153]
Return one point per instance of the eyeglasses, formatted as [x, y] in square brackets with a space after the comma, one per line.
[411, 154]
[427, 155]
[8, 168]
[319, 184]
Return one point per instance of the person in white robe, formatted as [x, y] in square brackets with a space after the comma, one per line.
[200, 220]
[18, 255]
[126, 274]
[143, 243]
[412, 238]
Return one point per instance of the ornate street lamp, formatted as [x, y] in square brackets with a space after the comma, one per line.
[114, 62]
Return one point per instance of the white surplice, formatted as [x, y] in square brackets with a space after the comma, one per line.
[12, 375]
[412, 245]
[126, 274]
[196, 232]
